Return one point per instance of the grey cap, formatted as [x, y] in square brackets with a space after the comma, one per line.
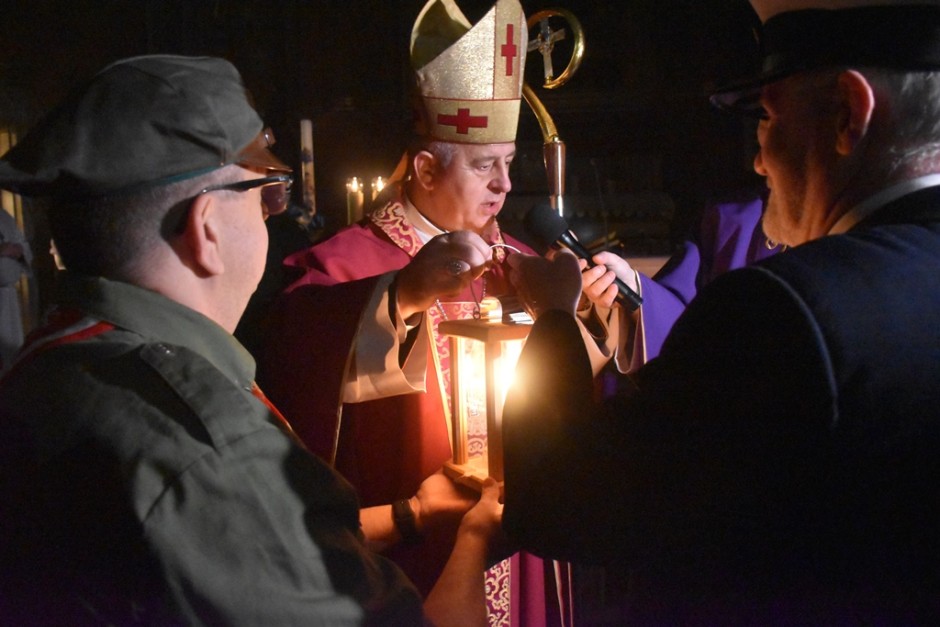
[144, 120]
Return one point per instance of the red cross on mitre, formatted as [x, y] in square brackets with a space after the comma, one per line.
[463, 121]
[509, 49]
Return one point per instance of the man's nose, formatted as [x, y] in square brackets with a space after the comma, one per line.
[759, 158]
[501, 181]
[759, 163]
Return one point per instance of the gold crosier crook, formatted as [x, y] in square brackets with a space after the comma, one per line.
[554, 148]
[553, 151]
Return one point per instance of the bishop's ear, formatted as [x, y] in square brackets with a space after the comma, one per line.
[425, 168]
[856, 106]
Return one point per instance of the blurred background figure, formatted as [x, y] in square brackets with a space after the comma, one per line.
[15, 260]
[56, 257]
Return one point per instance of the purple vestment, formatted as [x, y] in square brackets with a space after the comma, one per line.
[729, 237]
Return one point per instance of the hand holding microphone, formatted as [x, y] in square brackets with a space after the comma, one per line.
[544, 224]
[545, 284]
[598, 283]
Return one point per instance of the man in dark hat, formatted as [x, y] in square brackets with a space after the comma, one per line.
[145, 479]
[777, 463]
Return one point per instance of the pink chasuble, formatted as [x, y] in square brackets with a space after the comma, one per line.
[387, 446]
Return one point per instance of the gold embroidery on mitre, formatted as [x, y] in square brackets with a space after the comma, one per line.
[470, 78]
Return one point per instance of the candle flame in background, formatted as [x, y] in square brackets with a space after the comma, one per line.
[355, 200]
[378, 184]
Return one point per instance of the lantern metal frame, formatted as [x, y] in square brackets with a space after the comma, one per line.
[495, 337]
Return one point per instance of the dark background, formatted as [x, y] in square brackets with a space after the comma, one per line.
[645, 149]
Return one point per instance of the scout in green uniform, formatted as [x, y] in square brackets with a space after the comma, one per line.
[144, 478]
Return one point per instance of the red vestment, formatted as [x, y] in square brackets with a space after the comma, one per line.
[385, 447]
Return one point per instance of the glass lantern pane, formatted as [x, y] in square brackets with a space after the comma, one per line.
[472, 371]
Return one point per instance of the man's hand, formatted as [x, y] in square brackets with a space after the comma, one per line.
[485, 519]
[458, 597]
[444, 267]
[597, 283]
[547, 284]
[440, 501]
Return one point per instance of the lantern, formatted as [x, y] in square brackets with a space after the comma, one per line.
[483, 357]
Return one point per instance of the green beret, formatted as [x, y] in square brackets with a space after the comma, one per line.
[140, 121]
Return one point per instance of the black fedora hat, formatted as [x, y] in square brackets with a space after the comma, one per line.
[801, 35]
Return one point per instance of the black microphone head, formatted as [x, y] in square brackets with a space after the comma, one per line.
[544, 225]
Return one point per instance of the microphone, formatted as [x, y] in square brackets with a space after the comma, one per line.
[544, 224]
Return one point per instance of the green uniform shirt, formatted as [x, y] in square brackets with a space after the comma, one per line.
[142, 482]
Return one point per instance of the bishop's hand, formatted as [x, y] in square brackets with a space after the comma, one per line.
[444, 267]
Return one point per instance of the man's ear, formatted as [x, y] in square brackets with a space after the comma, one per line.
[425, 168]
[856, 106]
[201, 236]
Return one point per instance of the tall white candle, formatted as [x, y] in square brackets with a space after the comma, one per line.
[355, 199]
[306, 166]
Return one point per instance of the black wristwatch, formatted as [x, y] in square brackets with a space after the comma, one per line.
[404, 518]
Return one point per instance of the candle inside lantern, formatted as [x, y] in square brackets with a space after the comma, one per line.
[355, 199]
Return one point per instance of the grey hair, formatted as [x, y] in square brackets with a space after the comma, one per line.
[443, 152]
[908, 136]
[913, 118]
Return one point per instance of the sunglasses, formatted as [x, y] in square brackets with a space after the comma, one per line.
[275, 191]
